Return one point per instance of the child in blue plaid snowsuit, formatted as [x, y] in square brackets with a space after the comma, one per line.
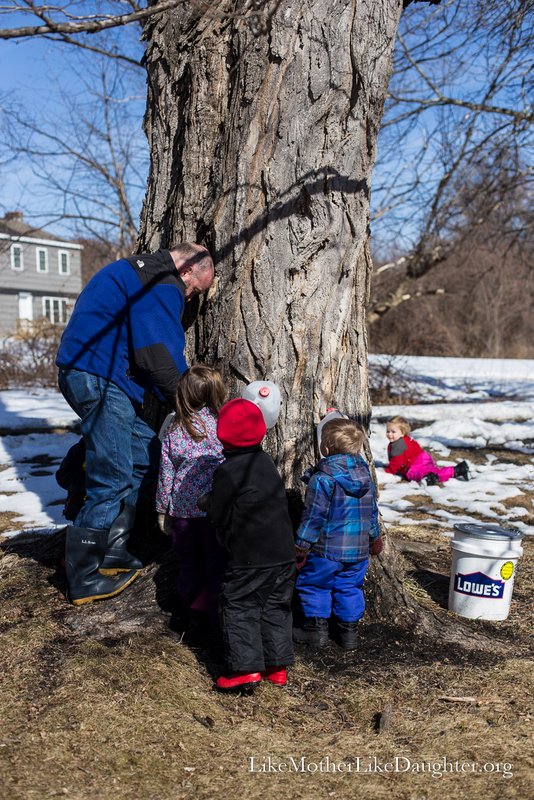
[338, 530]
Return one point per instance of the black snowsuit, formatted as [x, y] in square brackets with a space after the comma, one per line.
[249, 506]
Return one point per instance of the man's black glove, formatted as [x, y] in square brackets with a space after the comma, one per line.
[306, 476]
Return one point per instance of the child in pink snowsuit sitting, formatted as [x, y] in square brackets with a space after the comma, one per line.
[408, 459]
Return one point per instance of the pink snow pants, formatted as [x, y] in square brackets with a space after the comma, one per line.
[423, 464]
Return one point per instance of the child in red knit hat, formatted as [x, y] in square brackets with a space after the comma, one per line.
[248, 504]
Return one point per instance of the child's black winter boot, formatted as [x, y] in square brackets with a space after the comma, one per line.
[432, 479]
[314, 630]
[461, 470]
[345, 634]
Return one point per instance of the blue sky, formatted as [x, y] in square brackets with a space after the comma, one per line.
[29, 70]
[46, 80]
[24, 66]
[39, 74]
[29, 74]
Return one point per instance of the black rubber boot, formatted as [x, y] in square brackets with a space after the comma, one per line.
[84, 551]
[313, 631]
[346, 634]
[117, 558]
[461, 470]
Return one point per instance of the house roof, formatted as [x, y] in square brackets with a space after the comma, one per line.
[12, 225]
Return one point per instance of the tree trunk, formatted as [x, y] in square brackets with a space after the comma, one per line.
[263, 128]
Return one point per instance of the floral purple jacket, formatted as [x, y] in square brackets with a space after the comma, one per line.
[187, 467]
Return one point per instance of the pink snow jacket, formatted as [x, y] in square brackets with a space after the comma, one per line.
[402, 455]
[407, 458]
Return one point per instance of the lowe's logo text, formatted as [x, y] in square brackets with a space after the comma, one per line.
[478, 584]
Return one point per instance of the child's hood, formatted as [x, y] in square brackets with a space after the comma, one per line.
[349, 471]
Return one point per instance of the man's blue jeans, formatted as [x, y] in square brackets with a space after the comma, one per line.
[122, 451]
[325, 587]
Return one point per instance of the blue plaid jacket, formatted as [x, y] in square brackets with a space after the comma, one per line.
[340, 512]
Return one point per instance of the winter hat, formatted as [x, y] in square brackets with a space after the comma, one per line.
[240, 424]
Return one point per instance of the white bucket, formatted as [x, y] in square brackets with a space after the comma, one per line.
[483, 567]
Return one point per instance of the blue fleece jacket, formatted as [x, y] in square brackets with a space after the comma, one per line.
[340, 512]
[126, 326]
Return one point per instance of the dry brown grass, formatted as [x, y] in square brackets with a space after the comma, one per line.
[136, 716]
[89, 714]
[7, 520]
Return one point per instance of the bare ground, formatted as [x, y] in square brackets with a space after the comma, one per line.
[109, 700]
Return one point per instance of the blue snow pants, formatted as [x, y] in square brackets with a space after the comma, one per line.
[327, 587]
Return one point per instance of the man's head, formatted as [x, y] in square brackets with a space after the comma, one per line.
[195, 267]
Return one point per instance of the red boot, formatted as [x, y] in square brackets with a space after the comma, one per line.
[238, 682]
[276, 675]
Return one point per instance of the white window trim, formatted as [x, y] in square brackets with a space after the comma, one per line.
[61, 300]
[63, 253]
[37, 262]
[21, 268]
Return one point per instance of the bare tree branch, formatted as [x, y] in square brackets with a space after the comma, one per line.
[101, 51]
[90, 167]
[88, 24]
[441, 99]
[459, 95]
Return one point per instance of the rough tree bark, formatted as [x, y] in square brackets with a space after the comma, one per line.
[262, 120]
[262, 128]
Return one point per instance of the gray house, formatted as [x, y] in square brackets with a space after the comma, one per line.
[40, 275]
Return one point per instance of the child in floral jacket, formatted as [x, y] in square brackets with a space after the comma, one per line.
[190, 454]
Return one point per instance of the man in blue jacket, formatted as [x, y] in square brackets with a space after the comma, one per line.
[124, 340]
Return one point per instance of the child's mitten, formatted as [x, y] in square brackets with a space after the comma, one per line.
[375, 546]
[301, 554]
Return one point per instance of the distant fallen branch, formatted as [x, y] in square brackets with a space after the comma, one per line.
[449, 699]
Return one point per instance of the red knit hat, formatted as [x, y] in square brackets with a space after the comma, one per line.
[240, 424]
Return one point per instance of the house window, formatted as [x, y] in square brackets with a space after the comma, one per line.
[55, 309]
[42, 259]
[64, 262]
[17, 262]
